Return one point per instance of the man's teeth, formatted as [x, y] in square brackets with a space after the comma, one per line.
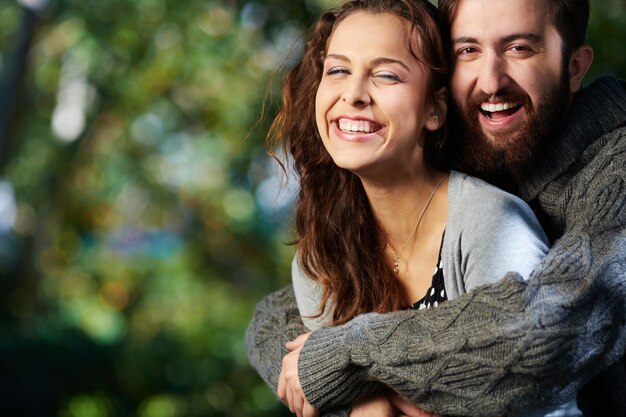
[361, 126]
[497, 107]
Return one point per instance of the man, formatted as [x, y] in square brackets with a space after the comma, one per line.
[517, 70]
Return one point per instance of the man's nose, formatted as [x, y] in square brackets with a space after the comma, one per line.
[356, 92]
[493, 75]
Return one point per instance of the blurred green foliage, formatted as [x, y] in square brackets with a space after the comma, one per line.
[140, 219]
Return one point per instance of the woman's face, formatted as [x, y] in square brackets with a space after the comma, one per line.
[371, 104]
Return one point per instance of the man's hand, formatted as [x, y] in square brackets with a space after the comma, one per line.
[289, 388]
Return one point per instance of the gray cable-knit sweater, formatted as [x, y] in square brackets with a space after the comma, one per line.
[503, 346]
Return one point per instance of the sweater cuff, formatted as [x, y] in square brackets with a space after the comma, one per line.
[327, 374]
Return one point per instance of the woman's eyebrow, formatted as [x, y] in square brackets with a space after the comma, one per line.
[338, 57]
[377, 61]
[385, 60]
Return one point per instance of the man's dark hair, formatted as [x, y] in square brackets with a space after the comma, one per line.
[570, 18]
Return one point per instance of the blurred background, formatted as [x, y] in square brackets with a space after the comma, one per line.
[140, 218]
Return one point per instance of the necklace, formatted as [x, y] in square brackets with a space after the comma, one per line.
[396, 256]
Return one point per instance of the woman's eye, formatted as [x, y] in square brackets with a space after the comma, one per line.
[335, 71]
[388, 76]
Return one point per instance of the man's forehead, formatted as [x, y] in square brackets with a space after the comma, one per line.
[485, 18]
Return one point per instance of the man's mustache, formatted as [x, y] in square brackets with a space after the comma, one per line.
[503, 96]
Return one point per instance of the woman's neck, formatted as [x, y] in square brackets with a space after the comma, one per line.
[397, 203]
[413, 213]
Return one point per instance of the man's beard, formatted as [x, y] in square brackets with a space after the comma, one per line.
[503, 159]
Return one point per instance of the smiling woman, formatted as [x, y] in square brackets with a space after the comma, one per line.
[356, 123]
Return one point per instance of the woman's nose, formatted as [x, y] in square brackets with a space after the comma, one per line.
[356, 93]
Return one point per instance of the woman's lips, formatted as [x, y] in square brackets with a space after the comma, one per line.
[356, 130]
[347, 125]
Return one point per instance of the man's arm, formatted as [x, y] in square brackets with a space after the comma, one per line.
[488, 352]
[502, 346]
[277, 321]
[505, 345]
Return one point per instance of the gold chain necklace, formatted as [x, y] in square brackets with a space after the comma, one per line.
[396, 257]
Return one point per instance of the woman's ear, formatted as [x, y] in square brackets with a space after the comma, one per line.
[579, 64]
[438, 110]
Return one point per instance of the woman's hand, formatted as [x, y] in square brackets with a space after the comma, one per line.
[406, 409]
[375, 406]
[289, 388]
[387, 404]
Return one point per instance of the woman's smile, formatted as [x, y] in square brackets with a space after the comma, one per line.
[356, 129]
[357, 125]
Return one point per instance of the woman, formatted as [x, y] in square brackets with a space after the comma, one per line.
[362, 113]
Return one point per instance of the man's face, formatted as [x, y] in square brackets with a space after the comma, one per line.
[509, 85]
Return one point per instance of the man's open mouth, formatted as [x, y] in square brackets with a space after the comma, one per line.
[499, 110]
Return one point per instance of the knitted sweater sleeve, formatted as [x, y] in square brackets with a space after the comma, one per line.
[276, 321]
[506, 345]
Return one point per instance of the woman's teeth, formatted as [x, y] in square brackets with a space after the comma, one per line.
[357, 126]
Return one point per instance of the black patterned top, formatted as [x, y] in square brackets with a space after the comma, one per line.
[436, 294]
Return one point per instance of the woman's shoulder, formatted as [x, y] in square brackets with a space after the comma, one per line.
[466, 192]
[474, 204]
[490, 232]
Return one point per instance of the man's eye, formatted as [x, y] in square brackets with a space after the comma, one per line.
[466, 51]
[522, 51]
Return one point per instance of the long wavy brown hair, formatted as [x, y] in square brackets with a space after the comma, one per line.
[340, 243]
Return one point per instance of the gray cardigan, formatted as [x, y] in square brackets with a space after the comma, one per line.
[477, 246]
